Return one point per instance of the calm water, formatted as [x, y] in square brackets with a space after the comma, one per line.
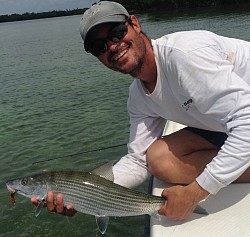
[56, 100]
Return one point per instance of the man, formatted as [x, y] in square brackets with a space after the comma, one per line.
[195, 78]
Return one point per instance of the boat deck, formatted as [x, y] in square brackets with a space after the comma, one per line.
[229, 215]
[229, 212]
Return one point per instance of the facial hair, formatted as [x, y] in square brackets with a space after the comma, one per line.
[139, 58]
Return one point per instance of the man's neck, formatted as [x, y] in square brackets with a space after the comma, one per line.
[148, 74]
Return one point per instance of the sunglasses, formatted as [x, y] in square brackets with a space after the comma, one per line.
[100, 46]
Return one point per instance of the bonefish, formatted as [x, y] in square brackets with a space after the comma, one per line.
[92, 193]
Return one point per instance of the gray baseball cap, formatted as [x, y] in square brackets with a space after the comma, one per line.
[102, 12]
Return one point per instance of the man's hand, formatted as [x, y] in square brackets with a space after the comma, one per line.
[182, 200]
[57, 205]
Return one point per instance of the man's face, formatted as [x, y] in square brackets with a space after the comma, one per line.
[126, 55]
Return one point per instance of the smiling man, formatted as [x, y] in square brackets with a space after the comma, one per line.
[196, 78]
[131, 54]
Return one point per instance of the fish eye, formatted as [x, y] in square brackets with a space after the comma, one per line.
[24, 181]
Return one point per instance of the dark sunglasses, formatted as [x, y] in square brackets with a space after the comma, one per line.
[117, 33]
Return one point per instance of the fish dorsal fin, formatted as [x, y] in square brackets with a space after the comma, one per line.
[105, 171]
[102, 223]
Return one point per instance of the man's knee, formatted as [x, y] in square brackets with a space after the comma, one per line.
[157, 157]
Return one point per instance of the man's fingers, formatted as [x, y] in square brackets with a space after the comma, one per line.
[70, 211]
[181, 201]
[59, 204]
[35, 201]
[50, 201]
[56, 205]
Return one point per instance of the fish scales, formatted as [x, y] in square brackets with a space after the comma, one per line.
[100, 191]
[74, 190]
[109, 198]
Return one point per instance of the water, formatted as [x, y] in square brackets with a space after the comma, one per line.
[57, 100]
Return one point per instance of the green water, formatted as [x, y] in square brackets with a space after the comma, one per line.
[57, 100]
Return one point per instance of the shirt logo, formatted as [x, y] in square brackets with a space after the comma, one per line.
[187, 104]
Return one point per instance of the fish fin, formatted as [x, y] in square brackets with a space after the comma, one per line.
[156, 216]
[40, 207]
[102, 223]
[200, 210]
[105, 171]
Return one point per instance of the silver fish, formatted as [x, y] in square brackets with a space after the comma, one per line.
[92, 193]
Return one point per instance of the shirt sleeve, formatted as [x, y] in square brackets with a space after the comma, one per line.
[223, 96]
[131, 170]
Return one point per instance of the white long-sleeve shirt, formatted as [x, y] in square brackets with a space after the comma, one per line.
[203, 81]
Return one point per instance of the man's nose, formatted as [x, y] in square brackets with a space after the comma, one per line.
[112, 45]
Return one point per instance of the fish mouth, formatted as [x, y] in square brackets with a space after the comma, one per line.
[11, 190]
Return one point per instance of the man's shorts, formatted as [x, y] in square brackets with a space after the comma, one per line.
[216, 138]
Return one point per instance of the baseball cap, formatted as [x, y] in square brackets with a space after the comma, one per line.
[102, 12]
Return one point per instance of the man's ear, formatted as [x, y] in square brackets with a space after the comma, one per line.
[135, 24]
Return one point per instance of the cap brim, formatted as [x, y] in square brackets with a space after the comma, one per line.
[106, 19]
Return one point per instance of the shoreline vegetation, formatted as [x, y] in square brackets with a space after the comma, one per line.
[139, 6]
